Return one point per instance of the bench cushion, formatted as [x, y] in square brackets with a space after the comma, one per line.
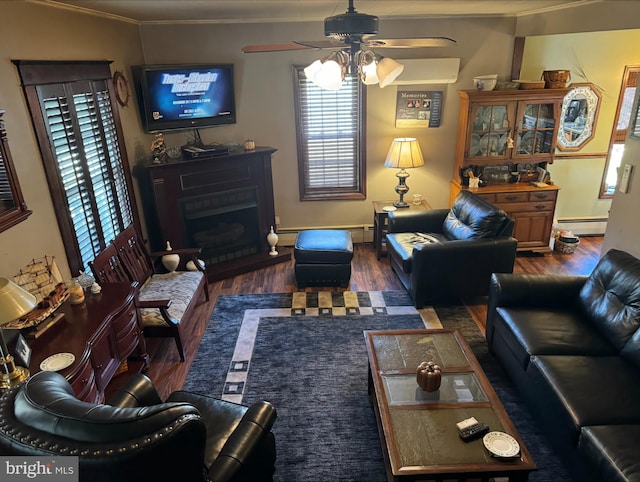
[178, 286]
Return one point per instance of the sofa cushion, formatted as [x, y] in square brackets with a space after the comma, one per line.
[611, 297]
[403, 244]
[549, 332]
[473, 217]
[613, 450]
[177, 286]
[575, 391]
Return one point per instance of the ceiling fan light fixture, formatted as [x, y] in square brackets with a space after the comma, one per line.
[329, 72]
[367, 64]
[388, 70]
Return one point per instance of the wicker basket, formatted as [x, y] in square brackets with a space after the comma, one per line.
[531, 84]
[565, 248]
[556, 79]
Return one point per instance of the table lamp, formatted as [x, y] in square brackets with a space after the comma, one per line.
[14, 303]
[404, 153]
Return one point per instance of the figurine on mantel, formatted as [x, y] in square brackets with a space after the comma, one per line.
[158, 149]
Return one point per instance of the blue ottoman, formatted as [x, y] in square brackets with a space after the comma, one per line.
[323, 258]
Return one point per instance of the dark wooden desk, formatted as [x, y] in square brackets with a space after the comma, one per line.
[101, 333]
[380, 222]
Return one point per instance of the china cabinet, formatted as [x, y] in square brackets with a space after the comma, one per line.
[507, 138]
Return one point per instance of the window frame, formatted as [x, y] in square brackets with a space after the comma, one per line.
[357, 191]
[618, 136]
[34, 74]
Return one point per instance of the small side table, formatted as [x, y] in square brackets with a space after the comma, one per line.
[380, 222]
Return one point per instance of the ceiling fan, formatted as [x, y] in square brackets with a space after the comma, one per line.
[352, 30]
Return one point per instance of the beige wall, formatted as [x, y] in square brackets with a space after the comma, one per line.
[599, 58]
[34, 32]
[264, 97]
[266, 112]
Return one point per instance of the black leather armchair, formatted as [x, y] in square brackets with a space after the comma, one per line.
[443, 255]
[136, 436]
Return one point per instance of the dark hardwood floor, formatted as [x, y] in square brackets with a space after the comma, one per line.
[368, 274]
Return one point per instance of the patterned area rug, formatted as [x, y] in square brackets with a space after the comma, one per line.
[305, 353]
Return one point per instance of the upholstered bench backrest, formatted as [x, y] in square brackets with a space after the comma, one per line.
[611, 299]
[473, 217]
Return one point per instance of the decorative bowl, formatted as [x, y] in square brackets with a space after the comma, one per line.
[485, 82]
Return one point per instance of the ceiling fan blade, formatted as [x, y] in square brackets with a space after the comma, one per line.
[399, 43]
[250, 49]
[321, 44]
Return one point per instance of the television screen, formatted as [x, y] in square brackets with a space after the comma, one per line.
[185, 96]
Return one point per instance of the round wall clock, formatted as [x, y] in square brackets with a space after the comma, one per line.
[122, 88]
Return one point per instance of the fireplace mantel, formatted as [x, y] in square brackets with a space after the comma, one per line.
[223, 204]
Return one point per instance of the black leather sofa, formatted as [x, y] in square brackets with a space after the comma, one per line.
[138, 437]
[444, 255]
[571, 344]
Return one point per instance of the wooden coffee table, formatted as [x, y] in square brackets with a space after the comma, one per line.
[418, 429]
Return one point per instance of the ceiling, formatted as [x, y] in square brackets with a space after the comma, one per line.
[251, 11]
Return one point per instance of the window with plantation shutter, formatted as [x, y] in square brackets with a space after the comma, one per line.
[331, 139]
[78, 133]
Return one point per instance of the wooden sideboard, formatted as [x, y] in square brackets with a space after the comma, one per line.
[102, 333]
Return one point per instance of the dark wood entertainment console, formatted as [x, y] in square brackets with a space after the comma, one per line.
[222, 204]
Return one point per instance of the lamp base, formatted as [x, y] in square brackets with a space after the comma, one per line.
[11, 374]
[401, 204]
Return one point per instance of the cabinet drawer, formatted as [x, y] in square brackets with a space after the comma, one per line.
[543, 195]
[512, 197]
[83, 382]
[527, 207]
[488, 197]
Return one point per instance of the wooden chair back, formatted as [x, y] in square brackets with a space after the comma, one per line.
[133, 251]
[108, 268]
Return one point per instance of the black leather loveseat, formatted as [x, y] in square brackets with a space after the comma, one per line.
[444, 255]
[571, 344]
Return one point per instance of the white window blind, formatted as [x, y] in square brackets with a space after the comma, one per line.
[330, 134]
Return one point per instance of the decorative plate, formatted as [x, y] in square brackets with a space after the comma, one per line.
[500, 444]
[57, 362]
[121, 87]
[389, 208]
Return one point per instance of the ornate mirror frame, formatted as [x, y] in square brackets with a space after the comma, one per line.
[578, 116]
[13, 209]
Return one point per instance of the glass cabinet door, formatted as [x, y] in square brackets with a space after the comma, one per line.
[536, 127]
[489, 131]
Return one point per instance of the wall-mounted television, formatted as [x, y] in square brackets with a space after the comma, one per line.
[185, 96]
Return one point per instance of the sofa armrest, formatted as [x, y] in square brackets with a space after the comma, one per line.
[530, 291]
[524, 290]
[137, 391]
[429, 221]
[250, 432]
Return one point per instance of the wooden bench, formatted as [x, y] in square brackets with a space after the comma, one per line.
[166, 300]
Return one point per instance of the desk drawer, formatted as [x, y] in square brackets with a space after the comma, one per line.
[84, 384]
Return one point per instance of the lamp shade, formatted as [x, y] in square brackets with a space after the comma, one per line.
[404, 153]
[14, 301]
[388, 70]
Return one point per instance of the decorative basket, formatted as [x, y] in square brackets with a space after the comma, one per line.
[531, 84]
[556, 79]
[565, 248]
